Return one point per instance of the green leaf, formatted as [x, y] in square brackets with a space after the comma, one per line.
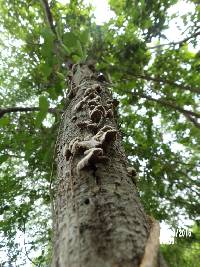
[3, 158]
[47, 47]
[46, 69]
[76, 58]
[4, 121]
[43, 104]
[66, 50]
[48, 34]
[52, 93]
[70, 40]
[28, 147]
[79, 49]
[60, 28]
[39, 119]
[60, 75]
[72, 44]
[84, 36]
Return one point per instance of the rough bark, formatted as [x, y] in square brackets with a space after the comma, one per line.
[99, 221]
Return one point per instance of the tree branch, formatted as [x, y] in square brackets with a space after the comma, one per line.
[58, 40]
[193, 120]
[3, 111]
[26, 252]
[48, 15]
[177, 43]
[166, 81]
[190, 115]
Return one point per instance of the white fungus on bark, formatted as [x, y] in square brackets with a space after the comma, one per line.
[92, 147]
[81, 103]
[105, 134]
[91, 156]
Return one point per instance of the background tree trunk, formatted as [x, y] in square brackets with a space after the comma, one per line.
[99, 221]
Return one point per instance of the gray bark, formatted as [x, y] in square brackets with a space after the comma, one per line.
[99, 221]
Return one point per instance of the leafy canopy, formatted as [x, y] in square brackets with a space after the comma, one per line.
[159, 116]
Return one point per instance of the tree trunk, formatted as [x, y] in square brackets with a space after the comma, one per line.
[99, 221]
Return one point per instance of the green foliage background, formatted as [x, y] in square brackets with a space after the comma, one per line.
[158, 87]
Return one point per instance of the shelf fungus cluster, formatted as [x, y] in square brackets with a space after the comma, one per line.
[92, 148]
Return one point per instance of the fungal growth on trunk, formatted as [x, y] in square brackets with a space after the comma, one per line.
[133, 174]
[100, 219]
[91, 146]
[91, 155]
